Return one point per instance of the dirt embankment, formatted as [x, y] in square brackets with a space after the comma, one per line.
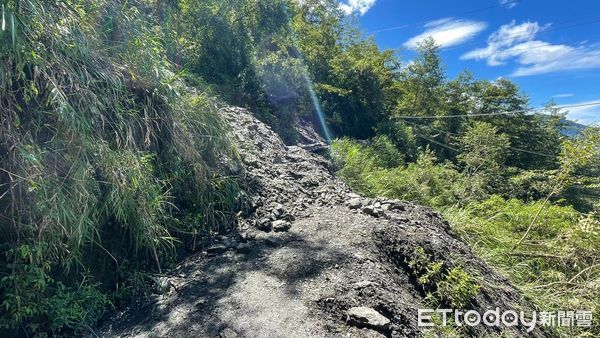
[311, 259]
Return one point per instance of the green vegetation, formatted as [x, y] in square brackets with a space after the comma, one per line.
[114, 162]
[445, 286]
[538, 227]
[523, 195]
[111, 166]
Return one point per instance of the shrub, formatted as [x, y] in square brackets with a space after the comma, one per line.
[367, 169]
[35, 302]
[443, 285]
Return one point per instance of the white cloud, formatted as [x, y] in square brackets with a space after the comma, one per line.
[357, 6]
[517, 42]
[509, 3]
[448, 32]
[585, 114]
[502, 43]
[559, 58]
[559, 96]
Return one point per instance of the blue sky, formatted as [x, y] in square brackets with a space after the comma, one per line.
[550, 48]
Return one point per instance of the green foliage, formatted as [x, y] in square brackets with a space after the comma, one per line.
[34, 301]
[482, 148]
[356, 161]
[424, 181]
[554, 265]
[353, 79]
[458, 288]
[105, 153]
[482, 153]
[529, 185]
[422, 83]
[444, 286]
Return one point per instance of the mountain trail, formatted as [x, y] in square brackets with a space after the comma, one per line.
[311, 259]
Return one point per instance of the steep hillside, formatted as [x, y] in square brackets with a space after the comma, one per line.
[312, 258]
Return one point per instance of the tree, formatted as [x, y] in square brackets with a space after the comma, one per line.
[422, 93]
[422, 82]
[483, 153]
[353, 79]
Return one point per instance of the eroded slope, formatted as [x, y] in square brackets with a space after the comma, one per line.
[307, 252]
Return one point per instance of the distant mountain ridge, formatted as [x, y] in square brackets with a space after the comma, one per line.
[572, 128]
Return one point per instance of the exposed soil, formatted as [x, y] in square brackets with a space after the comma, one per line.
[341, 251]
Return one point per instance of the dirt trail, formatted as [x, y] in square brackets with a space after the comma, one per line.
[333, 250]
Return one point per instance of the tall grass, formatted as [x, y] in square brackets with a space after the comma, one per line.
[105, 157]
[556, 266]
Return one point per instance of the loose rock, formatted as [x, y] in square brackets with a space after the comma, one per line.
[288, 217]
[281, 225]
[367, 317]
[362, 285]
[264, 224]
[355, 203]
[371, 211]
[278, 211]
[216, 249]
[228, 333]
[246, 236]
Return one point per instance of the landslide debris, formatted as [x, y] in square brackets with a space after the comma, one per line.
[312, 258]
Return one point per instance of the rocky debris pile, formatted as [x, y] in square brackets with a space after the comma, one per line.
[279, 220]
[373, 207]
[281, 175]
[311, 258]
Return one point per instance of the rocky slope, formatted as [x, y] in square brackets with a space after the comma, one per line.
[311, 259]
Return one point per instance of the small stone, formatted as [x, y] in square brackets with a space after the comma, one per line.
[279, 210]
[264, 224]
[271, 241]
[396, 205]
[367, 317]
[377, 205]
[288, 217]
[362, 284]
[355, 203]
[281, 225]
[217, 248]
[370, 210]
[228, 333]
[247, 236]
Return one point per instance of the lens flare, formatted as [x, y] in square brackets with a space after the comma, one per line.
[317, 106]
